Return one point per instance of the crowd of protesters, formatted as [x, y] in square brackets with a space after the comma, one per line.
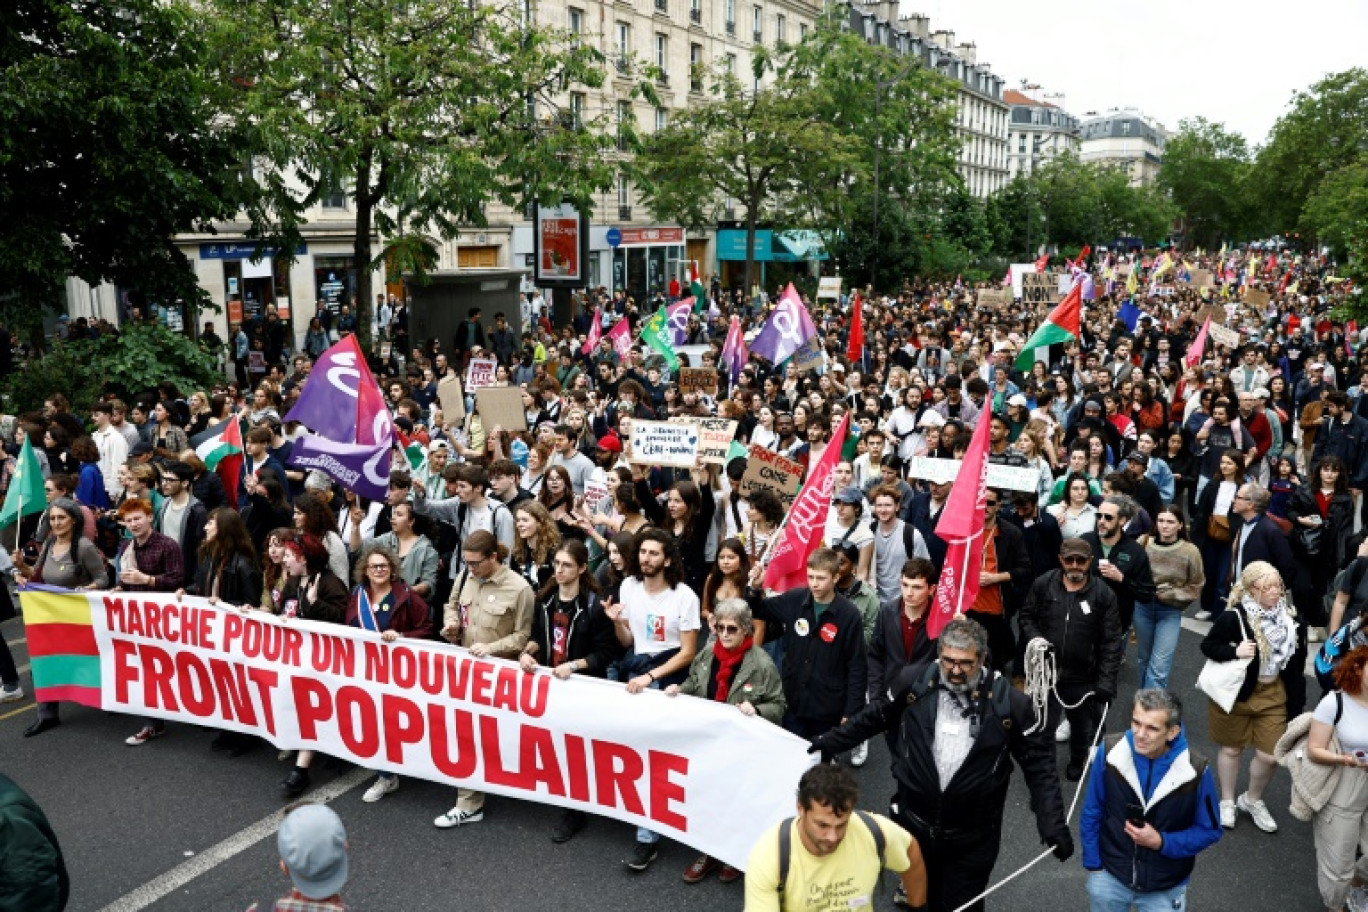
[1175, 469]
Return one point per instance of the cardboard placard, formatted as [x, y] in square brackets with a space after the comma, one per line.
[1257, 299]
[940, 471]
[1216, 312]
[480, 373]
[1200, 278]
[698, 380]
[1040, 288]
[501, 406]
[1224, 335]
[768, 471]
[829, 288]
[452, 398]
[809, 356]
[662, 443]
[995, 297]
[715, 437]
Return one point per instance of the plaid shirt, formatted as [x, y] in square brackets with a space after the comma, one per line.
[297, 902]
[160, 557]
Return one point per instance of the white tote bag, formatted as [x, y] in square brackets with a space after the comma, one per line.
[1221, 681]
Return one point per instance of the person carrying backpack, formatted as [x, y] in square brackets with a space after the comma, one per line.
[823, 858]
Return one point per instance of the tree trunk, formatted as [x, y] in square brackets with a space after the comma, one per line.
[361, 248]
[750, 250]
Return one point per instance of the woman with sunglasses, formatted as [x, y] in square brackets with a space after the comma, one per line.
[382, 603]
[732, 669]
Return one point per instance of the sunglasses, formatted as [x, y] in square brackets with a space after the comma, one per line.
[990, 503]
[1075, 561]
[727, 628]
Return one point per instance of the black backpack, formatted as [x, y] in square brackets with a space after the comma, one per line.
[786, 846]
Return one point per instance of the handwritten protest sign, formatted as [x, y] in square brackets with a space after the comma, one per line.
[809, 356]
[422, 709]
[940, 471]
[480, 373]
[1224, 335]
[1215, 312]
[1200, 278]
[698, 380]
[595, 495]
[995, 297]
[768, 471]
[829, 288]
[664, 443]
[1040, 288]
[714, 437]
[501, 406]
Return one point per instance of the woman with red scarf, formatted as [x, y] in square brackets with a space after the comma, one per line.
[732, 669]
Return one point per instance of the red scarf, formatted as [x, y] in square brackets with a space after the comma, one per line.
[728, 660]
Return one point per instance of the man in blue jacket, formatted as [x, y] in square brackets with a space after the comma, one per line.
[1151, 807]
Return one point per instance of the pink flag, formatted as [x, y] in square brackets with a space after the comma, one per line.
[807, 518]
[961, 527]
[1194, 352]
[734, 353]
[621, 334]
[595, 333]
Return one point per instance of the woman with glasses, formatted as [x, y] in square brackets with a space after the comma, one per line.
[1322, 515]
[732, 669]
[1259, 624]
[382, 603]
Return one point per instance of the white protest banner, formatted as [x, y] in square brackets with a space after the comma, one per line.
[941, 471]
[715, 437]
[1224, 335]
[664, 443]
[767, 470]
[678, 765]
[829, 288]
[480, 373]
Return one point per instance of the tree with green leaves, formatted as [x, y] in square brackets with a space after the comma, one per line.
[1324, 131]
[109, 148]
[423, 112]
[1206, 171]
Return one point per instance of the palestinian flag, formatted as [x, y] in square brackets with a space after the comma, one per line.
[696, 289]
[220, 447]
[1059, 327]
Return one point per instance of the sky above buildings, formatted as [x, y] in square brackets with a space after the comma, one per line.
[1229, 61]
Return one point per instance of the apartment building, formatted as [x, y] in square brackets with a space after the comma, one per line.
[1125, 138]
[1038, 130]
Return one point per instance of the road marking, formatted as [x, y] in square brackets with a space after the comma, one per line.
[14, 712]
[239, 842]
[19, 642]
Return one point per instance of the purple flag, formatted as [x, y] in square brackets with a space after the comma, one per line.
[734, 354]
[341, 400]
[788, 327]
[677, 318]
[361, 468]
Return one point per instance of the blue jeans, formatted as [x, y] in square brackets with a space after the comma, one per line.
[1110, 895]
[1156, 639]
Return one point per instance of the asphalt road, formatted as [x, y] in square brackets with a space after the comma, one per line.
[172, 826]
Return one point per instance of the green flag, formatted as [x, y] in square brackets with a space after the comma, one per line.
[25, 494]
[657, 335]
[696, 287]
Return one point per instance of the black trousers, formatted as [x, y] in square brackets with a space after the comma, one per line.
[1001, 641]
[1083, 720]
[958, 863]
[9, 672]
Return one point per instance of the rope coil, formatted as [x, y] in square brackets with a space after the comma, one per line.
[1042, 674]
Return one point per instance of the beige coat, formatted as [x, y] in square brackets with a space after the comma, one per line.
[1312, 783]
[496, 612]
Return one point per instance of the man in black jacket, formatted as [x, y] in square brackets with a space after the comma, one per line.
[1077, 614]
[900, 638]
[824, 650]
[961, 727]
[1121, 562]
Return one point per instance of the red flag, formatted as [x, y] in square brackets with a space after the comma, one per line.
[621, 334]
[1194, 352]
[855, 346]
[1287, 277]
[595, 332]
[961, 527]
[1083, 255]
[1350, 333]
[1272, 261]
[806, 519]
[1041, 263]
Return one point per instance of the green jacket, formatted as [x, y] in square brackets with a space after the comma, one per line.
[757, 681]
[33, 876]
[866, 600]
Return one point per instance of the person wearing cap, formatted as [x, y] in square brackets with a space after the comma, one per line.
[845, 528]
[1146, 492]
[429, 474]
[312, 843]
[1309, 387]
[1077, 614]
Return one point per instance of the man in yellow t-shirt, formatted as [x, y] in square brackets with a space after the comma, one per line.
[833, 856]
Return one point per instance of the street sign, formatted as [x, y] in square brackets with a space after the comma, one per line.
[613, 237]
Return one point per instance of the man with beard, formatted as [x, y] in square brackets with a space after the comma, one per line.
[961, 726]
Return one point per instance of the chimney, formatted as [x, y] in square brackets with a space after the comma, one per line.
[917, 24]
[967, 52]
[945, 39]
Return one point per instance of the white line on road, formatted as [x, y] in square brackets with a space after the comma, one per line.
[236, 844]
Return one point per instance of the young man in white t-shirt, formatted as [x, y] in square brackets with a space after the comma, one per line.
[658, 617]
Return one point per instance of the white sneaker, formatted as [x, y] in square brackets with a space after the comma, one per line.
[455, 817]
[1062, 733]
[1315, 635]
[1202, 616]
[860, 755]
[1357, 900]
[382, 787]
[1258, 811]
[1228, 815]
[11, 694]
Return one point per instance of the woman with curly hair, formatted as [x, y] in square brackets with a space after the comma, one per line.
[536, 541]
[313, 516]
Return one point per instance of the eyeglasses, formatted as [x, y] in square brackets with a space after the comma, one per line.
[1110, 517]
[958, 663]
[727, 628]
[374, 568]
[1075, 561]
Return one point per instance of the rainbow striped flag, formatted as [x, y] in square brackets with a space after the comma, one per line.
[61, 640]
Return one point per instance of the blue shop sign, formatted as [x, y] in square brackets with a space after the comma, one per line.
[246, 251]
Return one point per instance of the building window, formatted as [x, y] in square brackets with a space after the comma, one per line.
[624, 46]
[576, 21]
[1125, 128]
[333, 196]
[780, 27]
[624, 121]
[1021, 143]
[802, 31]
[662, 52]
[695, 11]
[729, 15]
[662, 119]
[731, 64]
[757, 24]
[696, 67]
[577, 109]
[624, 193]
